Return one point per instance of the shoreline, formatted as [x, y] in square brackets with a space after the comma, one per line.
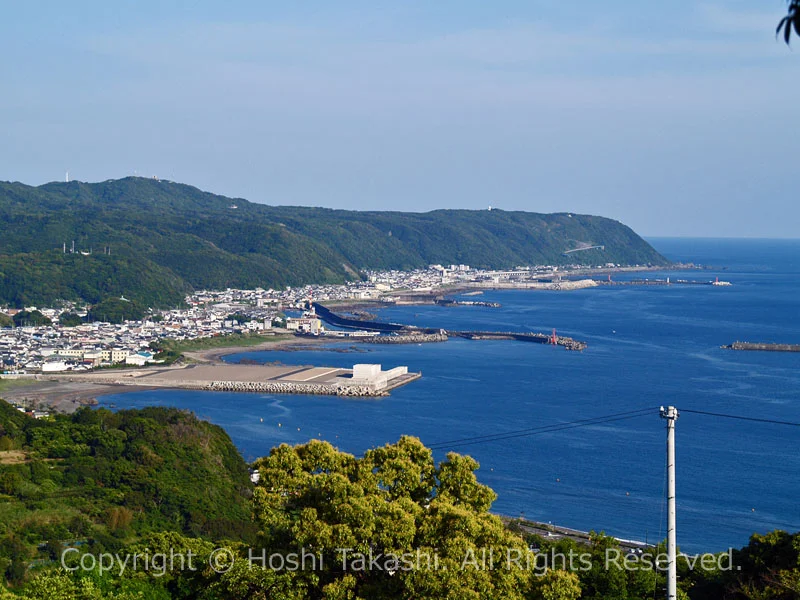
[67, 396]
[63, 394]
[411, 297]
[66, 393]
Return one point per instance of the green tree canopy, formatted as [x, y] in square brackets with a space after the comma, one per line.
[69, 319]
[116, 310]
[395, 502]
[34, 318]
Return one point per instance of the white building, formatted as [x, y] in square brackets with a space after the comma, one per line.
[55, 366]
[371, 375]
[304, 324]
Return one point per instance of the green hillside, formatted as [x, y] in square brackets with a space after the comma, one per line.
[159, 483]
[166, 239]
[112, 477]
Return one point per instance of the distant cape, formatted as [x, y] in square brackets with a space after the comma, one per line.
[154, 241]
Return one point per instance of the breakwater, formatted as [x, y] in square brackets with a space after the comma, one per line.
[448, 302]
[764, 347]
[263, 387]
[406, 334]
[289, 387]
[537, 338]
[409, 338]
[668, 281]
[264, 379]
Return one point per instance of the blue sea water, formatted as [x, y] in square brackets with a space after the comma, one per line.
[648, 346]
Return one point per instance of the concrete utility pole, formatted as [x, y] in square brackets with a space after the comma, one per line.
[671, 415]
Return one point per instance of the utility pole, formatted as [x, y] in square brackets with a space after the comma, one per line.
[671, 415]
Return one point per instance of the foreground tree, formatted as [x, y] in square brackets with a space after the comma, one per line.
[392, 524]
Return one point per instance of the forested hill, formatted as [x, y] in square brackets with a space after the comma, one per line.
[167, 238]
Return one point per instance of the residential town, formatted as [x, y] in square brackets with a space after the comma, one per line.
[57, 348]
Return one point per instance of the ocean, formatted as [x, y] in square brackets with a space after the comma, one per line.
[648, 346]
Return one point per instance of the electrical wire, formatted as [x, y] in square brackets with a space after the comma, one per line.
[554, 427]
[481, 439]
[738, 417]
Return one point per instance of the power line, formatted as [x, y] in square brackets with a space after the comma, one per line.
[554, 427]
[739, 417]
[542, 429]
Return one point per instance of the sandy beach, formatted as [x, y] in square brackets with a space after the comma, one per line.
[60, 396]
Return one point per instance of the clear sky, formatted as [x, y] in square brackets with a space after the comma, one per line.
[677, 118]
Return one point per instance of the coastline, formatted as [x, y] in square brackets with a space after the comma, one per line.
[59, 394]
[67, 396]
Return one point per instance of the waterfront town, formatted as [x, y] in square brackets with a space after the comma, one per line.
[57, 348]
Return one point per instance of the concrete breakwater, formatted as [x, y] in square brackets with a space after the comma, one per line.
[406, 334]
[281, 387]
[667, 281]
[362, 380]
[766, 347]
[537, 338]
[410, 338]
[263, 387]
[448, 302]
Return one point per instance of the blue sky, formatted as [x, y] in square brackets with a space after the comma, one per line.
[677, 118]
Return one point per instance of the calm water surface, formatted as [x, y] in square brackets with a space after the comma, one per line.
[648, 346]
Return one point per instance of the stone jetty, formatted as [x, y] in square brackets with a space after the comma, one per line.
[537, 338]
[410, 338]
